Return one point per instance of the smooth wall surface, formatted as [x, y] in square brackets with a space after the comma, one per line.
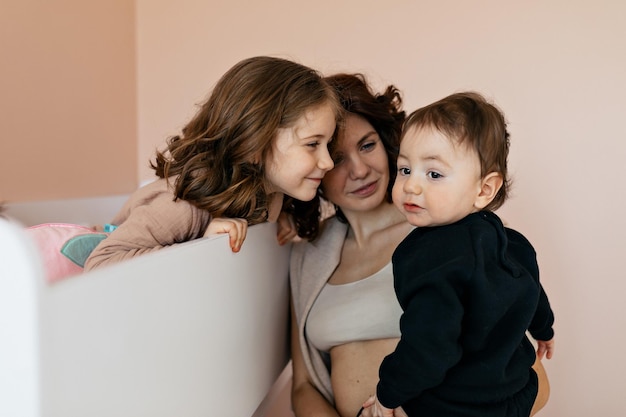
[67, 99]
[558, 70]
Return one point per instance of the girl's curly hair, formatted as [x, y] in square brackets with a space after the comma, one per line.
[217, 162]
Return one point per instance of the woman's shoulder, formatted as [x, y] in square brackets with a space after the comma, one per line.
[325, 249]
[331, 230]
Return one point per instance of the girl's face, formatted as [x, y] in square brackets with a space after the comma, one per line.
[361, 175]
[438, 181]
[299, 157]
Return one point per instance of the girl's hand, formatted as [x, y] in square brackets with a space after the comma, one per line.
[286, 228]
[236, 229]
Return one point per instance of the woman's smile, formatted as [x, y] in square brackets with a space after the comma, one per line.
[366, 190]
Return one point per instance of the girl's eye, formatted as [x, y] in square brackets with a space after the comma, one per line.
[313, 144]
[404, 171]
[433, 175]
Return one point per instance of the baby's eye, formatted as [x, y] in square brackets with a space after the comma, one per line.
[404, 171]
[434, 175]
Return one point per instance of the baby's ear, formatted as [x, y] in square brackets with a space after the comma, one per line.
[490, 185]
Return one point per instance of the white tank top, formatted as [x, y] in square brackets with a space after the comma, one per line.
[362, 310]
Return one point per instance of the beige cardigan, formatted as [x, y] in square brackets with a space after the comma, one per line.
[312, 264]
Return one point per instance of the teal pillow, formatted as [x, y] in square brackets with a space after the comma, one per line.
[78, 248]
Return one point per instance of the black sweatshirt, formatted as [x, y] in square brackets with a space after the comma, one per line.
[469, 292]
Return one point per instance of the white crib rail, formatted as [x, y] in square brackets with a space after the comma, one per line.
[191, 330]
[90, 211]
[20, 268]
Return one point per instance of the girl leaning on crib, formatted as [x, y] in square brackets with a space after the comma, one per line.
[254, 148]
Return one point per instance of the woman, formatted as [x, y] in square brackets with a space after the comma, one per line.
[345, 312]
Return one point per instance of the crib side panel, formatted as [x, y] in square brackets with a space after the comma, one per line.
[20, 271]
[92, 211]
[191, 330]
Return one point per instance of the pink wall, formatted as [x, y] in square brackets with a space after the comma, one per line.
[557, 68]
[67, 99]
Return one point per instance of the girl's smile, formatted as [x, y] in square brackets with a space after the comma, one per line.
[299, 157]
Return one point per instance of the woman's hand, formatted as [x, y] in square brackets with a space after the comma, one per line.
[286, 228]
[236, 229]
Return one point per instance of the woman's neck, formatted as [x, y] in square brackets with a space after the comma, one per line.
[364, 225]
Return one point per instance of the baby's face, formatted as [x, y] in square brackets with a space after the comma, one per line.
[438, 180]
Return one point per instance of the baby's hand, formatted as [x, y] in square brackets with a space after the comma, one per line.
[545, 347]
[286, 228]
[373, 408]
[236, 229]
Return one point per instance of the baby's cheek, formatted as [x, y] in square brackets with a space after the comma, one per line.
[396, 194]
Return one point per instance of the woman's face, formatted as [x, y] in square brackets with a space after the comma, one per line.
[359, 180]
[299, 157]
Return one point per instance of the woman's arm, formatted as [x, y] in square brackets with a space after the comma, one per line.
[306, 400]
[543, 393]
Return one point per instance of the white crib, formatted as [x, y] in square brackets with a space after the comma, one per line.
[191, 330]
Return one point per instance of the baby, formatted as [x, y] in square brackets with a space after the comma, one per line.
[468, 286]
